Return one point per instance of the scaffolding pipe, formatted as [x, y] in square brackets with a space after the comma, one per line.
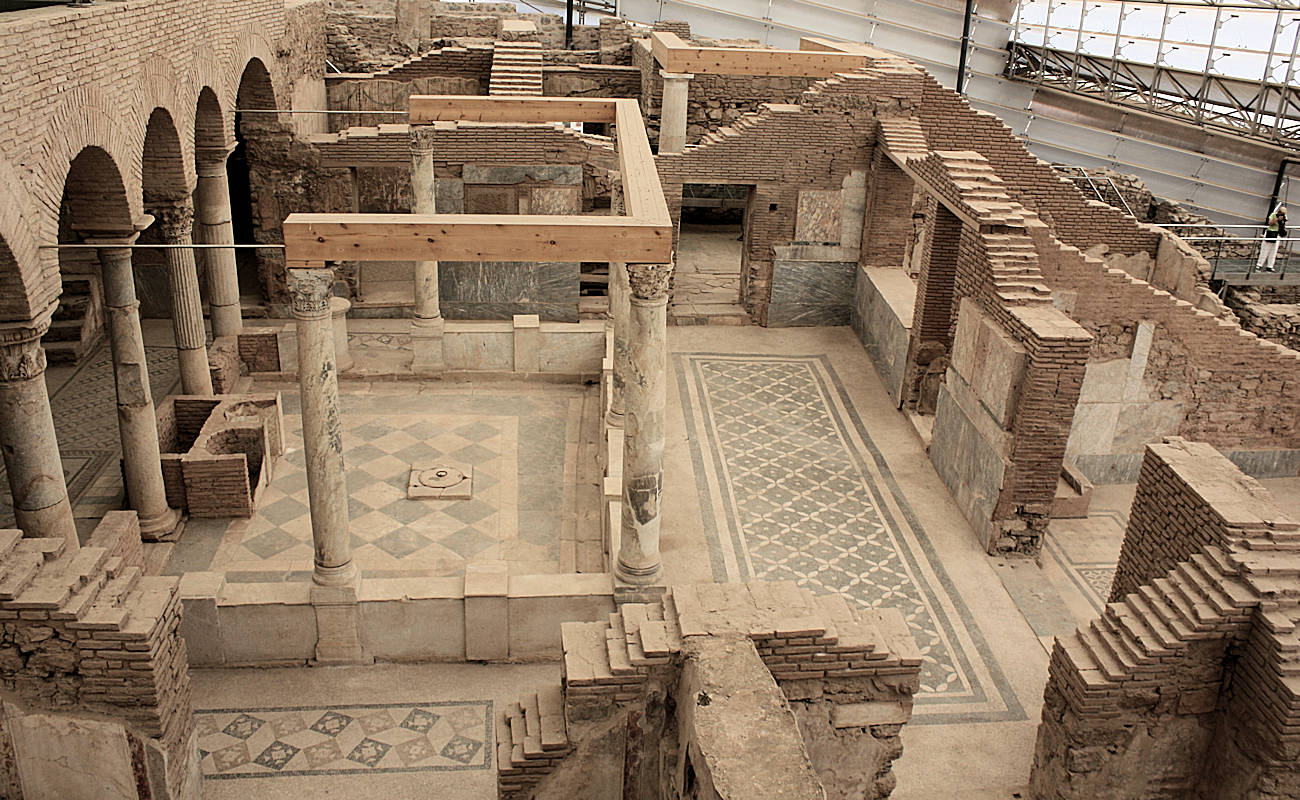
[965, 47]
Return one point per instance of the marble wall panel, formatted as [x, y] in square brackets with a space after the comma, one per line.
[879, 326]
[811, 293]
[511, 174]
[554, 200]
[60, 756]
[817, 218]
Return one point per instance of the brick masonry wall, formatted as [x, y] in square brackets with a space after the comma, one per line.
[84, 632]
[75, 78]
[1181, 688]
[259, 349]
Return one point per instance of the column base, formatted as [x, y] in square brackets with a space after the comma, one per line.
[159, 527]
[637, 576]
[626, 592]
[426, 346]
[613, 419]
[338, 622]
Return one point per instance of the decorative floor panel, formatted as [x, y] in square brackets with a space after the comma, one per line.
[792, 488]
[344, 740]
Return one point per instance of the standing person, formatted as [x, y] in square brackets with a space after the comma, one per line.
[1273, 237]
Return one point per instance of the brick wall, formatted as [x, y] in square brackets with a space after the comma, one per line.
[83, 632]
[1182, 688]
[259, 349]
[80, 80]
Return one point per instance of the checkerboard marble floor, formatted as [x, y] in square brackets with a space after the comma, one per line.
[520, 440]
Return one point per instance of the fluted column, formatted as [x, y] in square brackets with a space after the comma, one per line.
[176, 223]
[643, 425]
[27, 438]
[213, 226]
[322, 430]
[672, 111]
[427, 327]
[136, 419]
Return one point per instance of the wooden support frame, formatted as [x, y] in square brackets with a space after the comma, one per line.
[675, 55]
[644, 235]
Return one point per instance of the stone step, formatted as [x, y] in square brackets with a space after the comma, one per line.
[63, 330]
[554, 727]
[586, 657]
[1108, 663]
[1206, 587]
[21, 568]
[1161, 633]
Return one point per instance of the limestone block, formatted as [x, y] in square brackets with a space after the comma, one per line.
[1104, 381]
[990, 361]
[60, 757]
[538, 604]
[1093, 429]
[554, 200]
[479, 346]
[528, 343]
[1139, 423]
[200, 623]
[572, 348]
[817, 218]
[408, 619]
[487, 615]
[266, 622]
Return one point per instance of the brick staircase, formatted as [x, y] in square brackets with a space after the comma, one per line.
[516, 69]
[798, 635]
[75, 327]
[93, 631]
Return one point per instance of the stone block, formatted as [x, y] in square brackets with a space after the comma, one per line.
[528, 343]
[554, 200]
[512, 174]
[884, 298]
[1093, 430]
[971, 468]
[990, 360]
[479, 346]
[487, 612]
[811, 293]
[60, 756]
[572, 347]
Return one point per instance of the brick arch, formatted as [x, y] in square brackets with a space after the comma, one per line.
[95, 198]
[164, 177]
[25, 287]
[85, 119]
[250, 47]
[210, 128]
[162, 87]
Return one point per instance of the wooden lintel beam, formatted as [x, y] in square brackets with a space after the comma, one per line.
[475, 237]
[674, 55]
[642, 192]
[428, 108]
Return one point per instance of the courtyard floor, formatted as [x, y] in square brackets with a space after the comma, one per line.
[784, 460]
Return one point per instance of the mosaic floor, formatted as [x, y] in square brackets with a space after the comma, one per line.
[1083, 551]
[295, 741]
[793, 488]
[522, 446]
[83, 402]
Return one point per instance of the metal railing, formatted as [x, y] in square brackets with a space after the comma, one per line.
[1234, 260]
[1081, 176]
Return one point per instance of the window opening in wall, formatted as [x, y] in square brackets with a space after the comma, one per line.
[711, 249]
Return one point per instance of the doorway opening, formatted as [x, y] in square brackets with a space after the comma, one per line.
[711, 255]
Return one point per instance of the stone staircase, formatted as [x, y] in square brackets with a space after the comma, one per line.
[76, 325]
[516, 69]
[799, 636]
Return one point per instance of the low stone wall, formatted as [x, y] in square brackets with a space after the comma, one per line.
[883, 301]
[467, 618]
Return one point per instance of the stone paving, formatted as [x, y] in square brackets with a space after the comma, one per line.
[521, 442]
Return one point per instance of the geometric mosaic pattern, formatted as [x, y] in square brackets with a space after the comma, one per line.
[517, 443]
[344, 740]
[793, 489]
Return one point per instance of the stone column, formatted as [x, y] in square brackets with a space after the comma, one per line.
[339, 307]
[643, 436]
[322, 430]
[27, 439]
[213, 226]
[187, 307]
[620, 309]
[136, 420]
[427, 327]
[672, 111]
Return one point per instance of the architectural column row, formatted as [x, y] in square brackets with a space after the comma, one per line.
[27, 439]
[427, 327]
[644, 392]
[191, 338]
[213, 225]
[27, 436]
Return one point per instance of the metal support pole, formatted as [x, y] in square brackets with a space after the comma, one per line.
[1289, 84]
[568, 25]
[965, 47]
[1160, 56]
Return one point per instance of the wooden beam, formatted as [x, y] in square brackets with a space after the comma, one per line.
[674, 55]
[475, 237]
[642, 192]
[427, 108]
